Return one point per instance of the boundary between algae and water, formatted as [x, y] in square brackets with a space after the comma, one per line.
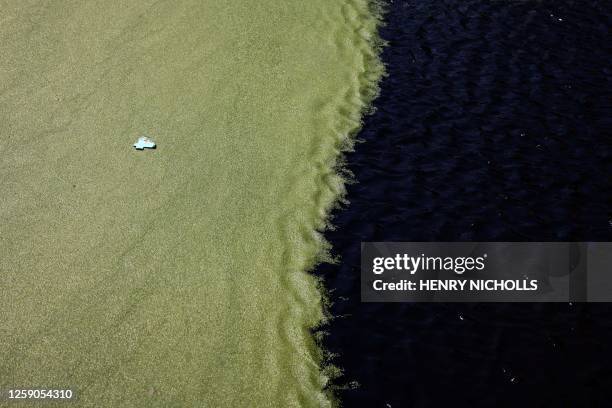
[363, 18]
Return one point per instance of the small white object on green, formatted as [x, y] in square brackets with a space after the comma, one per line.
[144, 142]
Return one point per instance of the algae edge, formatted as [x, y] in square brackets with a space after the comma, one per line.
[332, 179]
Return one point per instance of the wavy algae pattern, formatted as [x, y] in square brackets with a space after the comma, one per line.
[177, 276]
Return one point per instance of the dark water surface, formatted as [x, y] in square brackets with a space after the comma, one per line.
[493, 124]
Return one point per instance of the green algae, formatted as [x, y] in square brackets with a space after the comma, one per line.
[174, 277]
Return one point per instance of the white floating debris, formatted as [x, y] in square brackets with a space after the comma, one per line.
[144, 142]
[512, 378]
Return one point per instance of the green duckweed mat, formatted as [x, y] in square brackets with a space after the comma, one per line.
[176, 276]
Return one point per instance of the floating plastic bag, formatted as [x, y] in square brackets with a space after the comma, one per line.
[144, 142]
